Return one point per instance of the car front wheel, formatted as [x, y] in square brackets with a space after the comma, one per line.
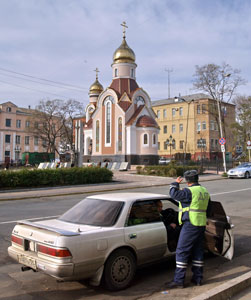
[246, 175]
[120, 269]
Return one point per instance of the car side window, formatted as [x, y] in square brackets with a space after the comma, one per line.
[143, 212]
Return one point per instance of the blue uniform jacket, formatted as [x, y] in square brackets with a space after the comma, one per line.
[184, 196]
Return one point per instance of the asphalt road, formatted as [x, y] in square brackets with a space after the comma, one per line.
[14, 284]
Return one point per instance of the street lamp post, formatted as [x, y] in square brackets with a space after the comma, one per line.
[170, 142]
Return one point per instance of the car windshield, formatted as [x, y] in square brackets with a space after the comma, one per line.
[243, 166]
[94, 212]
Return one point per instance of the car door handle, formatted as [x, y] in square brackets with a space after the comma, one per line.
[133, 236]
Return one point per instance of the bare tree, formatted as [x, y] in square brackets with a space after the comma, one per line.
[52, 122]
[242, 126]
[220, 82]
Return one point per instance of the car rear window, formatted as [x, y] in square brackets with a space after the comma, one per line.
[94, 212]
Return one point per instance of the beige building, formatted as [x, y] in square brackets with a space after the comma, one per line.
[14, 135]
[189, 127]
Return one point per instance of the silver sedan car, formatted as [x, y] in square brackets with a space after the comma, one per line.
[106, 237]
[241, 171]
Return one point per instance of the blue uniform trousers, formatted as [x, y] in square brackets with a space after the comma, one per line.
[190, 243]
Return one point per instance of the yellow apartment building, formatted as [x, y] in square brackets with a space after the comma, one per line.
[189, 127]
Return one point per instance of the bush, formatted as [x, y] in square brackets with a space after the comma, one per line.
[53, 177]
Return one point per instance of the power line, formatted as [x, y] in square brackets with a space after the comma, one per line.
[33, 89]
[57, 82]
[13, 76]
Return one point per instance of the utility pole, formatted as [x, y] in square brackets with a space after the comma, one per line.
[168, 76]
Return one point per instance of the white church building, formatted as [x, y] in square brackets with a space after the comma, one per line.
[120, 123]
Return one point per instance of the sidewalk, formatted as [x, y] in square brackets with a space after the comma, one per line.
[121, 180]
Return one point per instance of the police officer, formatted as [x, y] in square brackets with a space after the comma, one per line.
[193, 205]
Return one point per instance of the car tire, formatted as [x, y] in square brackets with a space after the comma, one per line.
[120, 270]
[246, 175]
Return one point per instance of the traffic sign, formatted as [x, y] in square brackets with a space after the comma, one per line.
[249, 147]
[249, 143]
[222, 148]
[222, 141]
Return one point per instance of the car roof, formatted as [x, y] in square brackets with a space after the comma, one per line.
[129, 197]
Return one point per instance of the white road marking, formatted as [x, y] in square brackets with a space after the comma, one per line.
[41, 218]
[230, 192]
[50, 217]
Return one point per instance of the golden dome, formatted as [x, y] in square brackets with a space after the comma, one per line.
[124, 54]
[96, 88]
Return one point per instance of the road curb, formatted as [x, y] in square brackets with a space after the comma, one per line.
[228, 289]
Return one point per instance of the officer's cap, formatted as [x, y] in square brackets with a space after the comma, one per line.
[191, 176]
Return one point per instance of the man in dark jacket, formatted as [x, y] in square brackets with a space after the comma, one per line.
[193, 206]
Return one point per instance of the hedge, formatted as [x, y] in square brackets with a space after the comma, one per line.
[170, 170]
[54, 177]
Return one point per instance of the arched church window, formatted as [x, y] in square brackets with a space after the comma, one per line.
[120, 134]
[139, 101]
[145, 139]
[97, 136]
[154, 139]
[132, 72]
[116, 73]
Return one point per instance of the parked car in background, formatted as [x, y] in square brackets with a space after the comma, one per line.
[164, 161]
[241, 171]
[107, 237]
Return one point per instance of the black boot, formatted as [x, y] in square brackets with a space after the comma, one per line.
[174, 285]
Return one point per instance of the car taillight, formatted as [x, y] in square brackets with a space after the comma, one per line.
[54, 251]
[17, 240]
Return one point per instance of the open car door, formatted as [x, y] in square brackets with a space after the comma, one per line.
[218, 235]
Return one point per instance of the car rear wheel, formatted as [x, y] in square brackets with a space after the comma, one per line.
[120, 269]
[246, 175]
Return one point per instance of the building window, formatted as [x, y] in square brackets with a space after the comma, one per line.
[8, 122]
[7, 138]
[132, 72]
[108, 121]
[120, 134]
[27, 140]
[116, 72]
[36, 125]
[145, 139]
[44, 143]
[27, 124]
[18, 139]
[8, 109]
[158, 145]
[198, 127]
[164, 113]
[97, 136]
[154, 139]
[201, 143]
[181, 111]
[204, 125]
[158, 114]
[216, 143]
[212, 143]
[212, 125]
[181, 145]
[204, 108]
[165, 129]
[173, 111]
[18, 123]
[173, 128]
[36, 140]
[181, 127]
[174, 144]
[7, 153]
[165, 146]
[198, 109]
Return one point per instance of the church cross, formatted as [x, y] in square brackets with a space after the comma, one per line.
[97, 71]
[124, 28]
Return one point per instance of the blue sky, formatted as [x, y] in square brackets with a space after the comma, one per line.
[65, 40]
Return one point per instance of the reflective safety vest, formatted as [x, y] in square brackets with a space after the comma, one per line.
[198, 208]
